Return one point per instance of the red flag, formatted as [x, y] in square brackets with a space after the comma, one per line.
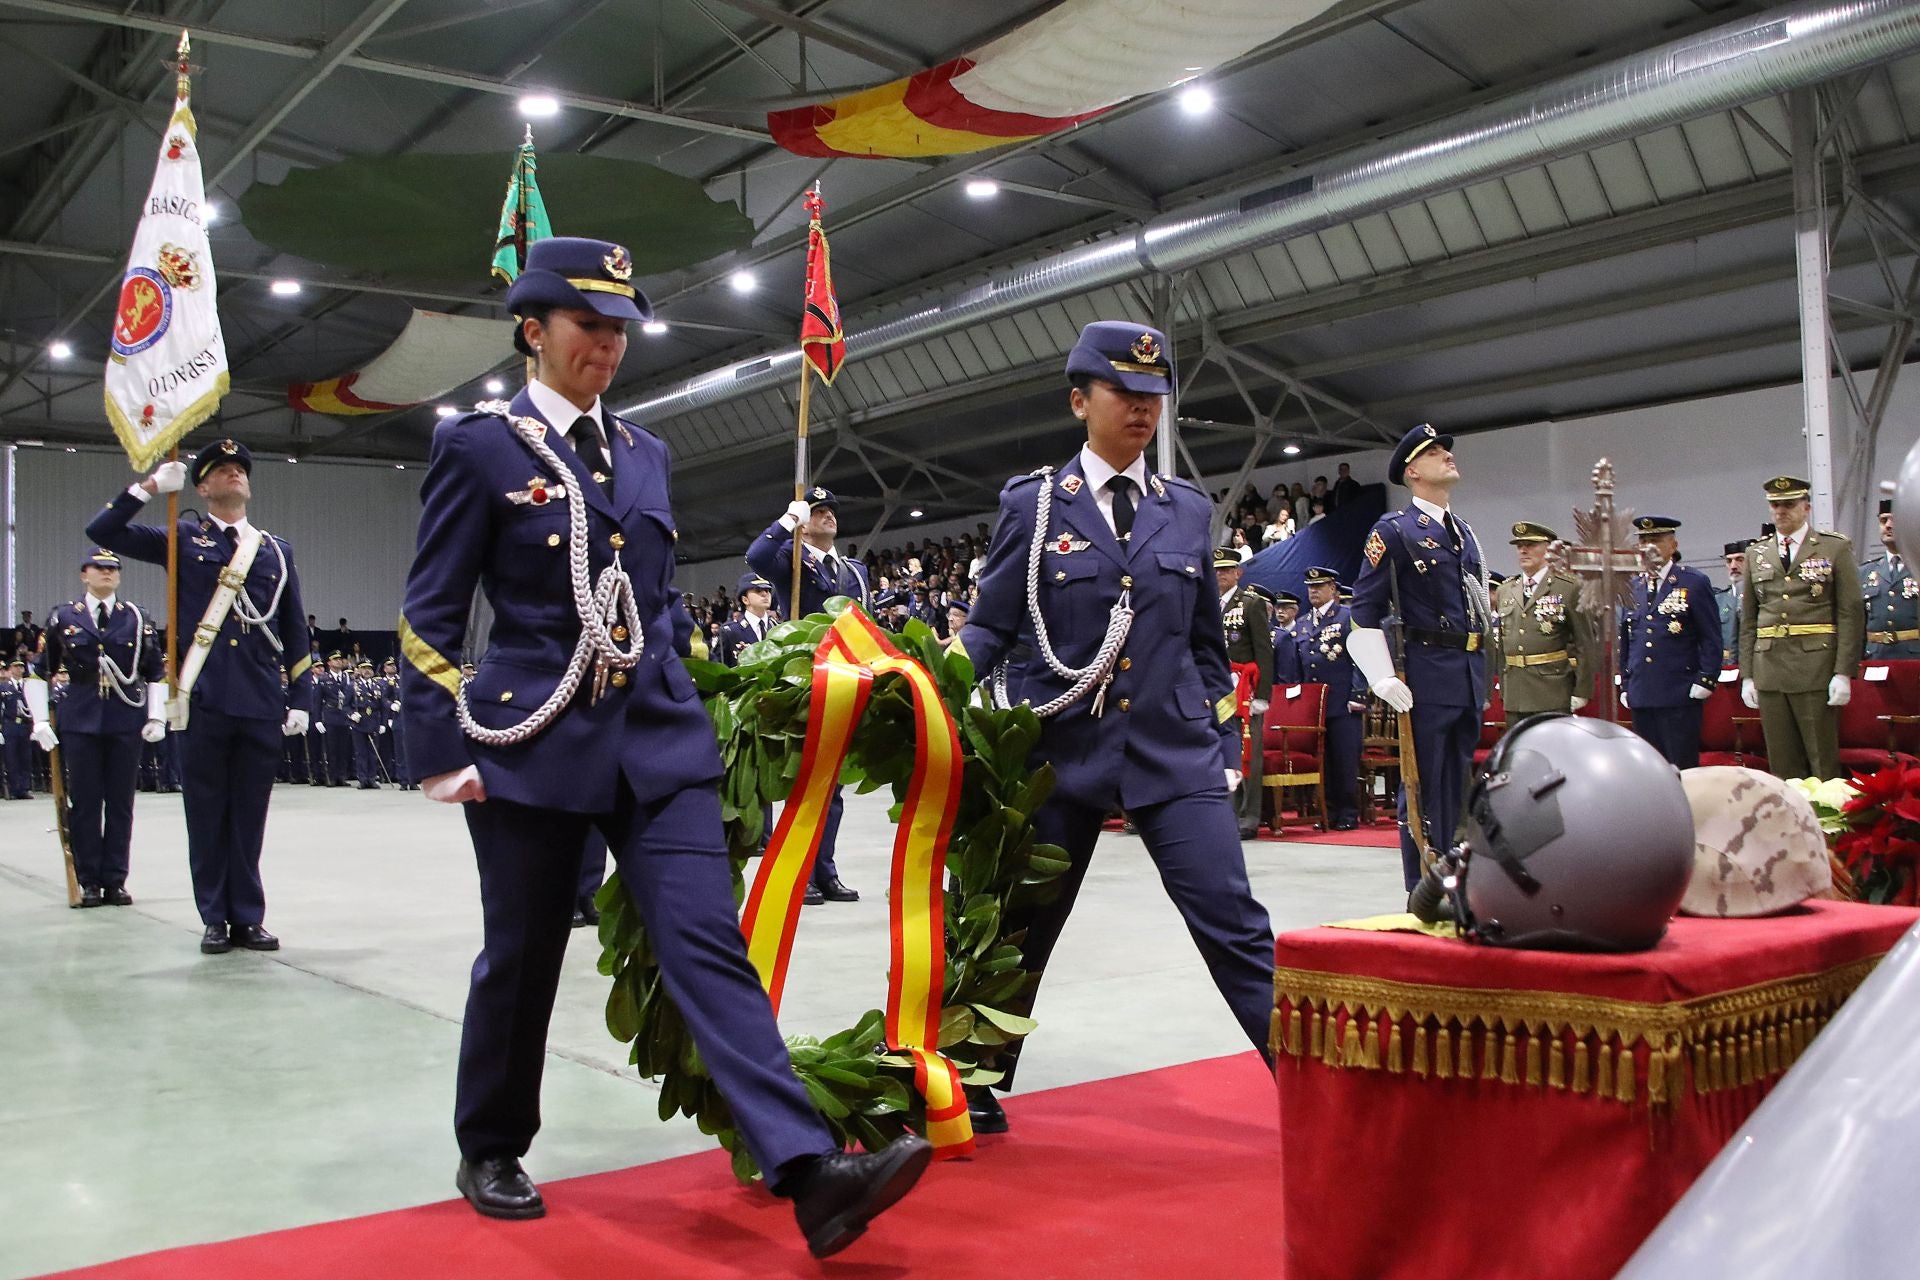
[821, 340]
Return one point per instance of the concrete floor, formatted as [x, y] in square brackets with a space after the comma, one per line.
[155, 1097]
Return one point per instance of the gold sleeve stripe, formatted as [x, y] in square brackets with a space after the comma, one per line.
[427, 660]
[300, 668]
[1227, 708]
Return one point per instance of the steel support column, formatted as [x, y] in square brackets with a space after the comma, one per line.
[1810, 254]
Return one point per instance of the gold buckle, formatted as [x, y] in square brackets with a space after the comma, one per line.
[228, 578]
[1473, 641]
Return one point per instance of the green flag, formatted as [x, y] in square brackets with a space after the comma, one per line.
[523, 217]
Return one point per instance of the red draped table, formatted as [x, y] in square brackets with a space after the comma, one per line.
[1450, 1110]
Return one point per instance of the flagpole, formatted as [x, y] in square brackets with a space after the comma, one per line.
[173, 579]
[800, 479]
[520, 248]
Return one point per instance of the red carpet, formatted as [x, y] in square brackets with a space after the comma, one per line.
[1380, 836]
[1172, 1172]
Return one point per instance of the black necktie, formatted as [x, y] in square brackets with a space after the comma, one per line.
[233, 539]
[586, 443]
[1453, 530]
[1122, 490]
[100, 614]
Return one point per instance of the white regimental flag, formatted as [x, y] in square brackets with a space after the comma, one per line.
[168, 366]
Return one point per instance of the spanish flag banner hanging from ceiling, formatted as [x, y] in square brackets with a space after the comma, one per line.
[1038, 78]
[821, 339]
[167, 363]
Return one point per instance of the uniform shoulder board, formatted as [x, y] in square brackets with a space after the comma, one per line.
[1181, 482]
[1015, 482]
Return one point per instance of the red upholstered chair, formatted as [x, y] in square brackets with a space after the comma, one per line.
[1493, 723]
[1379, 757]
[1880, 725]
[1296, 747]
[1724, 742]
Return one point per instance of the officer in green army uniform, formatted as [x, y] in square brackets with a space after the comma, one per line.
[1249, 631]
[1545, 649]
[1802, 621]
[1893, 597]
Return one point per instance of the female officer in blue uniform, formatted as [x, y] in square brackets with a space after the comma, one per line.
[108, 646]
[1128, 670]
[581, 716]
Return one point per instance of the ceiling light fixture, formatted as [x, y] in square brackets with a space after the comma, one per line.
[1196, 100]
[743, 281]
[916, 513]
[539, 106]
[60, 350]
[1290, 449]
[654, 327]
[982, 188]
[495, 386]
[285, 288]
[445, 410]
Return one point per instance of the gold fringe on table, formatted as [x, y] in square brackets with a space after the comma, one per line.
[1612, 1049]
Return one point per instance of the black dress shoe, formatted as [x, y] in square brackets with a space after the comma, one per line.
[812, 897]
[89, 896]
[116, 896]
[834, 891]
[1249, 834]
[215, 940]
[579, 918]
[843, 1192]
[254, 938]
[1347, 824]
[984, 1110]
[499, 1188]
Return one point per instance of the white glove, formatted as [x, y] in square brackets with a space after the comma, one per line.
[169, 477]
[320, 728]
[1233, 779]
[296, 724]
[1623, 701]
[381, 729]
[1394, 692]
[456, 787]
[43, 736]
[354, 717]
[37, 699]
[795, 515]
[153, 731]
[1576, 704]
[157, 703]
[1839, 691]
[1700, 693]
[1751, 695]
[1259, 706]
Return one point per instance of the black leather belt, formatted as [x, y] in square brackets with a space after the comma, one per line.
[1468, 640]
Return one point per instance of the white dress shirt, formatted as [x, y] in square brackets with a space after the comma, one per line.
[1098, 473]
[561, 414]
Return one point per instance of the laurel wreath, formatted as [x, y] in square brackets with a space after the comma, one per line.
[759, 709]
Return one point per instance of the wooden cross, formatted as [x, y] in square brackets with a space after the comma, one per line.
[1605, 558]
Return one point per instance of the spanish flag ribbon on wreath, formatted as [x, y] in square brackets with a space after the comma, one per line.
[167, 367]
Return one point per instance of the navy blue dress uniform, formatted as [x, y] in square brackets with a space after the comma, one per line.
[367, 714]
[1164, 732]
[99, 727]
[16, 748]
[1670, 646]
[239, 706]
[1320, 648]
[634, 758]
[398, 765]
[1434, 561]
[1286, 653]
[1727, 602]
[334, 693]
[822, 577]
[746, 629]
[1893, 601]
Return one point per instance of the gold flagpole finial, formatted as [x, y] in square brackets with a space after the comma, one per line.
[182, 83]
[529, 138]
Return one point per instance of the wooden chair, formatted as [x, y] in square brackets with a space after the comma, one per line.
[1728, 733]
[1493, 723]
[1295, 749]
[1879, 724]
[1379, 756]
